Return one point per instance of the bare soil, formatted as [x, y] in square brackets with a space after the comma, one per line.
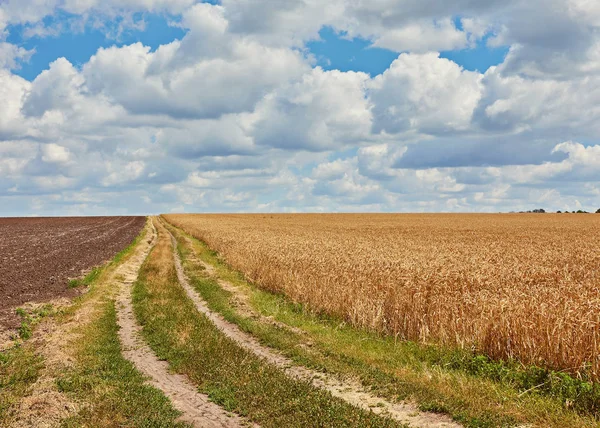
[38, 256]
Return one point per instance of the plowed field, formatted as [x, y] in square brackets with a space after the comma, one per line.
[38, 256]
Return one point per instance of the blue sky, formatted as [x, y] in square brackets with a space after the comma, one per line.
[333, 50]
[79, 45]
[116, 107]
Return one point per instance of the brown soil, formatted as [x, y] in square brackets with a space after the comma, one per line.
[38, 256]
[348, 390]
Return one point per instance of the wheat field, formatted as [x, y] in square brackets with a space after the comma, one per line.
[512, 286]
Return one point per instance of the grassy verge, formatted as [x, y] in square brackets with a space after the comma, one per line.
[471, 388]
[87, 280]
[231, 376]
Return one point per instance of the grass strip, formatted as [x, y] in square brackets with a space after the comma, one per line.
[230, 375]
[21, 365]
[471, 388]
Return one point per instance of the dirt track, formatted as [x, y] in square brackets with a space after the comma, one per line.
[197, 409]
[38, 256]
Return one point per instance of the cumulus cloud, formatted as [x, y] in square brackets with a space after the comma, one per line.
[325, 110]
[53, 153]
[424, 92]
[57, 88]
[12, 56]
[13, 89]
[206, 75]
[120, 173]
[519, 103]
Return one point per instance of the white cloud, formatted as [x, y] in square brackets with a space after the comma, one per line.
[426, 93]
[516, 103]
[12, 91]
[423, 37]
[57, 88]
[12, 56]
[324, 110]
[33, 11]
[206, 75]
[53, 153]
[120, 174]
[281, 22]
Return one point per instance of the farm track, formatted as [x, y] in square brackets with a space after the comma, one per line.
[195, 407]
[351, 392]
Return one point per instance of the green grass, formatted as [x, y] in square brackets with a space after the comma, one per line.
[230, 375]
[87, 280]
[112, 389]
[29, 319]
[109, 388]
[471, 388]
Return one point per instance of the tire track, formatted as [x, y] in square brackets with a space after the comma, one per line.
[350, 391]
[196, 407]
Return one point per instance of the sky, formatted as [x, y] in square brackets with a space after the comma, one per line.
[115, 107]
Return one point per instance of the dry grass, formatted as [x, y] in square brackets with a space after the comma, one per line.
[521, 287]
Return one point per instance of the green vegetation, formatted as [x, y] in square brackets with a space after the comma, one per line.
[88, 279]
[471, 388]
[113, 390]
[230, 375]
[29, 319]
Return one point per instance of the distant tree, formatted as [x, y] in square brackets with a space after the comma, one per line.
[539, 211]
[598, 211]
[560, 212]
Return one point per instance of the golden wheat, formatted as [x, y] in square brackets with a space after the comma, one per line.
[512, 286]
